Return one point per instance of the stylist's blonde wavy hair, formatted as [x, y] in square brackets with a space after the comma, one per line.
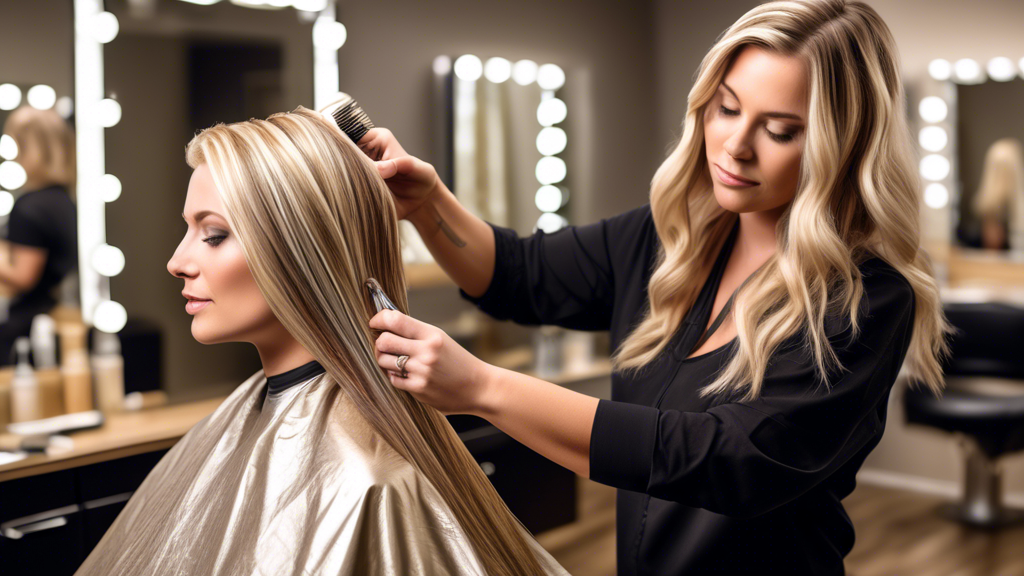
[857, 198]
[315, 220]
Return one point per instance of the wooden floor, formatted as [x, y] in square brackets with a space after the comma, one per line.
[898, 533]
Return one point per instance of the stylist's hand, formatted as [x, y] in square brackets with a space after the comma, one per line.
[411, 180]
[441, 373]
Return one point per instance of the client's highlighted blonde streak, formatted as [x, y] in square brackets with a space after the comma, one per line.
[315, 220]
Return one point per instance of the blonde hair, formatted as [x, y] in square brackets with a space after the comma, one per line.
[315, 220]
[857, 197]
[1002, 179]
[47, 138]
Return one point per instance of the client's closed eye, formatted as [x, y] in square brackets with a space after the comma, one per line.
[214, 240]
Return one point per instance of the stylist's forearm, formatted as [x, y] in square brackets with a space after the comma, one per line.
[461, 243]
[551, 420]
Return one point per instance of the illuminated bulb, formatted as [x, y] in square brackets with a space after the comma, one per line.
[108, 187]
[550, 77]
[940, 69]
[550, 222]
[550, 170]
[498, 70]
[201, 2]
[936, 195]
[108, 260]
[10, 96]
[934, 167]
[41, 97]
[64, 106]
[108, 112]
[8, 147]
[310, 5]
[329, 34]
[551, 141]
[932, 109]
[933, 138]
[104, 27]
[524, 72]
[442, 65]
[1001, 69]
[967, 71]
[551, 111]
[469, 68]
[12, 175]
[6, 202]
[109, 316]
[548, 198]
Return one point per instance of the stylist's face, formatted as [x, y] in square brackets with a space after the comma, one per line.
[754, 131]
[226, 303]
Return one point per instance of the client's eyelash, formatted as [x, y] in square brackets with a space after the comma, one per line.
[214, 240]
[780, 138]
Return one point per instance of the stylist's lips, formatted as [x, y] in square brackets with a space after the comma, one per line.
[730, 179]
[194, 304]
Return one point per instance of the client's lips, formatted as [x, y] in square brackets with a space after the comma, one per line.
[733, 179]
[195, 304]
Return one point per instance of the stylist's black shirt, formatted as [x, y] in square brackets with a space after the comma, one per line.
[43, 219]
[712, 485]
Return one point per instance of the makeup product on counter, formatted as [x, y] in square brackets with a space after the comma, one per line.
[144, 400]
[25, 402]
[6, 374]
[108, 372]
[44, 342]
[51, 391]
[74, 367]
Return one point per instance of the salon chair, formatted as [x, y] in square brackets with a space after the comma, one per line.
[983, 405]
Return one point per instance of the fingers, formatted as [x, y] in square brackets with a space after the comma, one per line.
[400, 324]
[394, 344]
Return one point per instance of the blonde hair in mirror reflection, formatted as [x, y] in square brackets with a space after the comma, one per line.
[47, 138]
[857, 197]
[315, 220]
[1002, 179]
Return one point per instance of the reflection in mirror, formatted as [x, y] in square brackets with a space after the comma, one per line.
[39, 253]
[175, 69]
[504, 126]
[991, 164]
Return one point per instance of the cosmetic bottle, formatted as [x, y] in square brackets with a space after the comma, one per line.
[108, 372]
[74, 367]
[44, 357]
[25, 401]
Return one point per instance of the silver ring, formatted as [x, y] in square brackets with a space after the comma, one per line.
[400, 364]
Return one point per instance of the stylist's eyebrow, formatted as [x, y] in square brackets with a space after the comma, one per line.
[768, 114]
[203, 214]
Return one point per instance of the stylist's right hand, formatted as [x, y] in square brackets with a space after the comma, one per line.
[411, 180]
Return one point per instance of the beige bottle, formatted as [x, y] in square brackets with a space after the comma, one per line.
[108, 372]
[25, 401]
[74, 367]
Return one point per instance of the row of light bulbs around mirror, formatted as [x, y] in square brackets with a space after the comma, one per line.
[551, 140]
[935, 166]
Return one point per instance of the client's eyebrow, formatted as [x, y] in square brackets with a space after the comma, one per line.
[203, 214]
[766, 114]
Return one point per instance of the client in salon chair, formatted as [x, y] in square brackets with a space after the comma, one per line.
[316, 464]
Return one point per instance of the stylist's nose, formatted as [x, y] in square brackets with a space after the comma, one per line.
[180, 266]
[738, 145]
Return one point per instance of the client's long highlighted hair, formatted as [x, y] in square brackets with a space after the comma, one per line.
[315, 220]
[857, 197]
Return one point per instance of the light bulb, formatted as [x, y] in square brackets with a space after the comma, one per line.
[551, 111]
[10, 96]
[108, 112]
[967, 71]
[933, 138]
[550, 170]
[524, 72]
[551, 141]
[104, 27]
[498, 70]
[934, 167]
[548, 198]
[469, 68]
[41, 97]
[550, 77]
[108, 260]
[8, 147]
[329, 34]
[936, 195]
[6, 202]
[1001, 69]
[940, 69]
[12, 175]
[550, 222]
[932, 109]
[108, 187]
[109, 316]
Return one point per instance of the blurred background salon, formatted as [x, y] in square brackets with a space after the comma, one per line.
[537, 114]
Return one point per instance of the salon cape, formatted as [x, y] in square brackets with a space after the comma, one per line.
[287, 482]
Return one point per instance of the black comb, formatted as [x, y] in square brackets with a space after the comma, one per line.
[349, 117]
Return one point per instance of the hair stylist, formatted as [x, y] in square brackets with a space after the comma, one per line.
[759, 307]
[42, 233]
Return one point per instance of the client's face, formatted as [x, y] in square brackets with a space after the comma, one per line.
[754, 131]
[226, 303]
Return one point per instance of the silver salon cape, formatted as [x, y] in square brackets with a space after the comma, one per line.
[281, 483]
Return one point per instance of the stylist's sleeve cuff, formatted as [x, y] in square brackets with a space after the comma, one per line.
[622, 445]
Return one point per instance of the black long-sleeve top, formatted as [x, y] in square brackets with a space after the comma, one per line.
[712, 485]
